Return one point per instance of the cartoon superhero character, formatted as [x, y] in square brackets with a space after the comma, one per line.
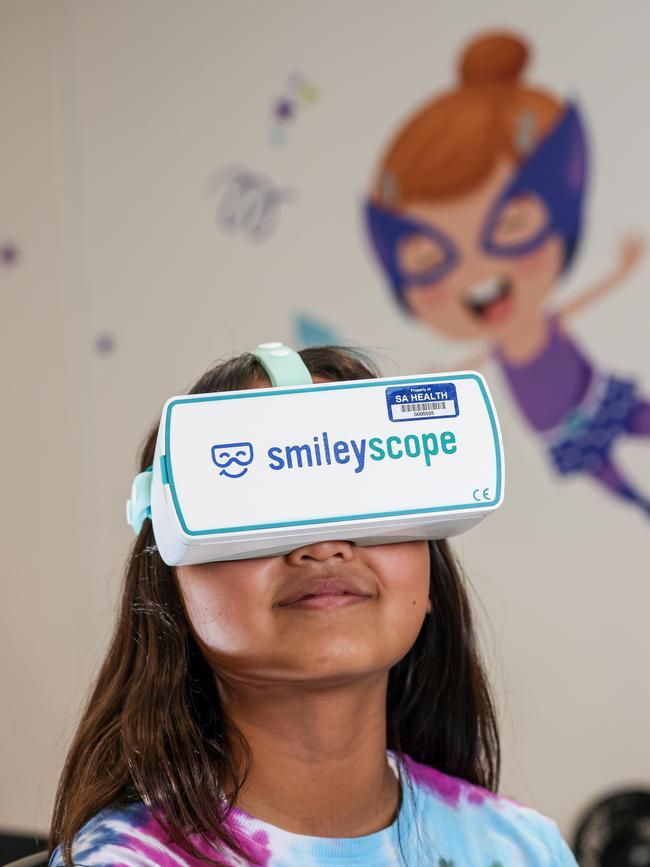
[475, 214]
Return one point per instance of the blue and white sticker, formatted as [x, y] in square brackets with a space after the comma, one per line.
[426, 400]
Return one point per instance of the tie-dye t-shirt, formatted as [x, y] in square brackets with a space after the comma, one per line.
[442, 822]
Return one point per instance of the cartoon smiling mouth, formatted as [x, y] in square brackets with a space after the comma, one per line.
[491, 300]
[233, 474]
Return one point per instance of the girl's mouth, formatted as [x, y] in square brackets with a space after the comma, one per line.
[491, 300]
[326, 600]
[329, 592]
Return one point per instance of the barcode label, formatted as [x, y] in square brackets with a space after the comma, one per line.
[422, 407]
[426, 400]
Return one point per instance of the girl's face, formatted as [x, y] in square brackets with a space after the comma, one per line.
[483, 295]
[248, 634]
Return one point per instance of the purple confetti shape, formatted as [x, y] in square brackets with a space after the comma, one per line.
[104, 344]
[284, 110]
[9, 254]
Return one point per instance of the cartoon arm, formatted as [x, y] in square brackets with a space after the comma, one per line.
[631, 251]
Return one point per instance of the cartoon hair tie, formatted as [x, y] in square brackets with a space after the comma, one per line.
[525, 129]
[389, 188]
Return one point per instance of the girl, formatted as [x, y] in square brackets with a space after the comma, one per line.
[475, 214]
[236, 722]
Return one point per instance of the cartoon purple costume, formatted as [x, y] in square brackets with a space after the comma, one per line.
[578, 411]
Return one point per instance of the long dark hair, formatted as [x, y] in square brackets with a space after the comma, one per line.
[154, 730]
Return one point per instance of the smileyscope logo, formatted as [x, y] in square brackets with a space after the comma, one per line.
[232, 455]
[323, 451]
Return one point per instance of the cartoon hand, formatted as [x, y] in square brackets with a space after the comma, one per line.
[631, 252]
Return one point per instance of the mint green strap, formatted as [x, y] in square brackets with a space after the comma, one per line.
[139, 506]
[283, 365]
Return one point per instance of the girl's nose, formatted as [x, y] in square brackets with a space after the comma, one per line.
[321, 551]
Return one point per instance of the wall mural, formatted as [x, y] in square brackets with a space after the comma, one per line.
[475, 215]
[297, 94]
[248, 202]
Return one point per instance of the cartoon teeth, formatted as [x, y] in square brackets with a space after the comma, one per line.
[483, 295]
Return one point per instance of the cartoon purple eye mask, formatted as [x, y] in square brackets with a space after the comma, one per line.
[556, 172]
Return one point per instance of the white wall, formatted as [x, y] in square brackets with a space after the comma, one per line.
[115, 115]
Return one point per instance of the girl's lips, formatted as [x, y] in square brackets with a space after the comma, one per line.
[332, 600]
[329, 586]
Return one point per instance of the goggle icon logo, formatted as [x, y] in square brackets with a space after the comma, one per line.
[233, 455]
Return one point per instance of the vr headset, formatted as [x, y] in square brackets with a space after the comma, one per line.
[260, 472]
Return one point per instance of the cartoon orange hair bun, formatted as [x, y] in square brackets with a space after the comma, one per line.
[494, 58]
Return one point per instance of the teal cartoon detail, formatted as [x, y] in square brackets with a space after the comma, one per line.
[310, 331]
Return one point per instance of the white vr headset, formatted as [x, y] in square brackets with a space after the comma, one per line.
[263, 471]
